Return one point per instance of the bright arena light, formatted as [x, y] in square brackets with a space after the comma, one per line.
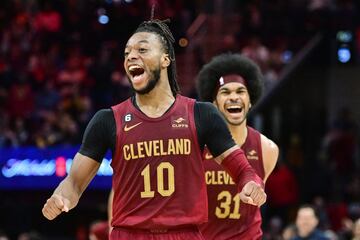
[103, 19]
[344, 55]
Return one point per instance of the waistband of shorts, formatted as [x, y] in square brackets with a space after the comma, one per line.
[160, 230]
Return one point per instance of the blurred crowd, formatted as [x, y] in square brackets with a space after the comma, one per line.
[56, 68]
[272, 32]
[60, 61]
[59, 64]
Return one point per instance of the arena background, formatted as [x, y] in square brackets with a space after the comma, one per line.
[61, 61]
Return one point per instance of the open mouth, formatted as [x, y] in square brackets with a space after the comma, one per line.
[234, 109]
[136, 71]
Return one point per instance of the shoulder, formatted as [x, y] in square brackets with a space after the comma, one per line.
[205, 106]
[123, 104]
[104, 114]
[105, 111]
[206, 111]
[103, 117]
[268, 145]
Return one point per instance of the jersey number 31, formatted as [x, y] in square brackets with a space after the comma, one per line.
[224, 210]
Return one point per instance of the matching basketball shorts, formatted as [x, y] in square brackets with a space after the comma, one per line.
[185, 233]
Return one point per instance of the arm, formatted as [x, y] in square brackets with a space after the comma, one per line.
[97, 140]
[110, 206]
[67, 194]
[216, 135]
[270, 153]
[250, 185]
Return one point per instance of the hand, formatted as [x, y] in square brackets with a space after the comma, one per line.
[55, 205]
[252, 193]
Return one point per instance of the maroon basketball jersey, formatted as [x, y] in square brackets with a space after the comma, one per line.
[229, 218]
[158, 169]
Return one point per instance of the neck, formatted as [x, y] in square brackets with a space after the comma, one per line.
[239, 132]
[157, 101]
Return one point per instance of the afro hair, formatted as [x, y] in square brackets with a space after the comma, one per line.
[225, 64]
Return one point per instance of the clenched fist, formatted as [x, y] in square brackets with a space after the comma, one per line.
[55, 205]
[252, 193]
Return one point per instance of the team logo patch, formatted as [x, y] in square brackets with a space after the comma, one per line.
[252, 155]
[128, 117]
[179, 122]
[221, 81]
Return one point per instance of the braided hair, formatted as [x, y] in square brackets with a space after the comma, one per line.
[167, 39]
[226, 64]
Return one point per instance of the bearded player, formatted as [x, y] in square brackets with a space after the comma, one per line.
[156, 137]
[233, 83]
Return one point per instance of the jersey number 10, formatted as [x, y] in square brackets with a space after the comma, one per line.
[148, 193]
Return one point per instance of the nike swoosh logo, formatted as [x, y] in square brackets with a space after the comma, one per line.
[126, 128]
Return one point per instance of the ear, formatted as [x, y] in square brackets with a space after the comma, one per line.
[215, 103]
[165, 60]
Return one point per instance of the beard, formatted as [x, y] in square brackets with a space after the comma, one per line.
[235, 123]
[155, 77]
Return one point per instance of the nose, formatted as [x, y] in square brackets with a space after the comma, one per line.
[132, 55]
[234, 96]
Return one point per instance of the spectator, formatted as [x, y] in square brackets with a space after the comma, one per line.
[306, 224]
[289, 232]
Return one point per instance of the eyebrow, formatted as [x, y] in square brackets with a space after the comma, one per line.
[227, 89]
[141, 41]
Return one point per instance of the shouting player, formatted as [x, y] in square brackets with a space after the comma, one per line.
[156, 137]
[233, 83]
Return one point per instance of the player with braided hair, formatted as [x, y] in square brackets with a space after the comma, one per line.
[167, 39]
[156, 138]
[233, 83]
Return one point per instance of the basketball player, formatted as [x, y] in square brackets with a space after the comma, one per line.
[233, 83]
[156, 138]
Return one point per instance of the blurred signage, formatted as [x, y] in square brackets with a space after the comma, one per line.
[33, 168]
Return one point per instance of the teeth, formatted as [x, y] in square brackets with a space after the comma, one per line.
[234, 107]
[131, 68]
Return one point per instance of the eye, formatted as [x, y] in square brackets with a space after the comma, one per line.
[142, 50]
[224, 92]
[241, 91]
[126, 53]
